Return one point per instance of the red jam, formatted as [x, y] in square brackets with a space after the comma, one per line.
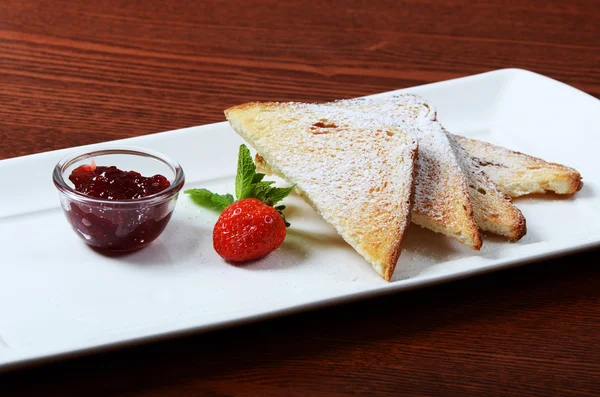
[111, 183]
[118, 227]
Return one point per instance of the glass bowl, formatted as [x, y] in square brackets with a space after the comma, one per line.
[119, 225]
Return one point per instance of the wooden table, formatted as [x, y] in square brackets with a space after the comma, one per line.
[73, 73]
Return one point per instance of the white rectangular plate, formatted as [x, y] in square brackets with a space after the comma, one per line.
[58, 297]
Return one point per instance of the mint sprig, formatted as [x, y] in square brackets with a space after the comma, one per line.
[246, 174]
[207, 199]
[248, 184]
[276, 194]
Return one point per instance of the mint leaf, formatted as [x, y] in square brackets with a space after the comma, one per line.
[261, 189]
[202, 197]
[276, 194]
[246, 172]
[207, 199]
[222, 200]
[258, 177]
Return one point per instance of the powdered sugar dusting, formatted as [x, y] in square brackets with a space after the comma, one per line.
[450, 186]
[356, 169]
[441, 196]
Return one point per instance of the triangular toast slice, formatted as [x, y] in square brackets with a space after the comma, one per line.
[517, 174]
[356, 170]
[442, 202]
[492, 210]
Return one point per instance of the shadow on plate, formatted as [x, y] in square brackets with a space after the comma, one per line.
[424, 248]
[493, 242]
[293, 209]
[294, 251]
[586, 192]
[178, 242]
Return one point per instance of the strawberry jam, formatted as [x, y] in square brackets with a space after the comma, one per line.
[111, 224]
[111, 183]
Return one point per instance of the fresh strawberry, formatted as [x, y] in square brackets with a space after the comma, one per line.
[248, 229]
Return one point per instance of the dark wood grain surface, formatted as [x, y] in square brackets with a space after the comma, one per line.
[75, 72]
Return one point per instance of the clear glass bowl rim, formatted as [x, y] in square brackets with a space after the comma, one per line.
[65, 162]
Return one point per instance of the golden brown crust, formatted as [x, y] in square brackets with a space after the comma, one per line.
[366, 200]
[575, 183]
[496, 213]
[392, 260]
[518, 174]
[520, 227]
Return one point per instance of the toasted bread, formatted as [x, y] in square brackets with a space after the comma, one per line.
[356, 171]
[442, 202]
[517, 174]
[492, 210]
